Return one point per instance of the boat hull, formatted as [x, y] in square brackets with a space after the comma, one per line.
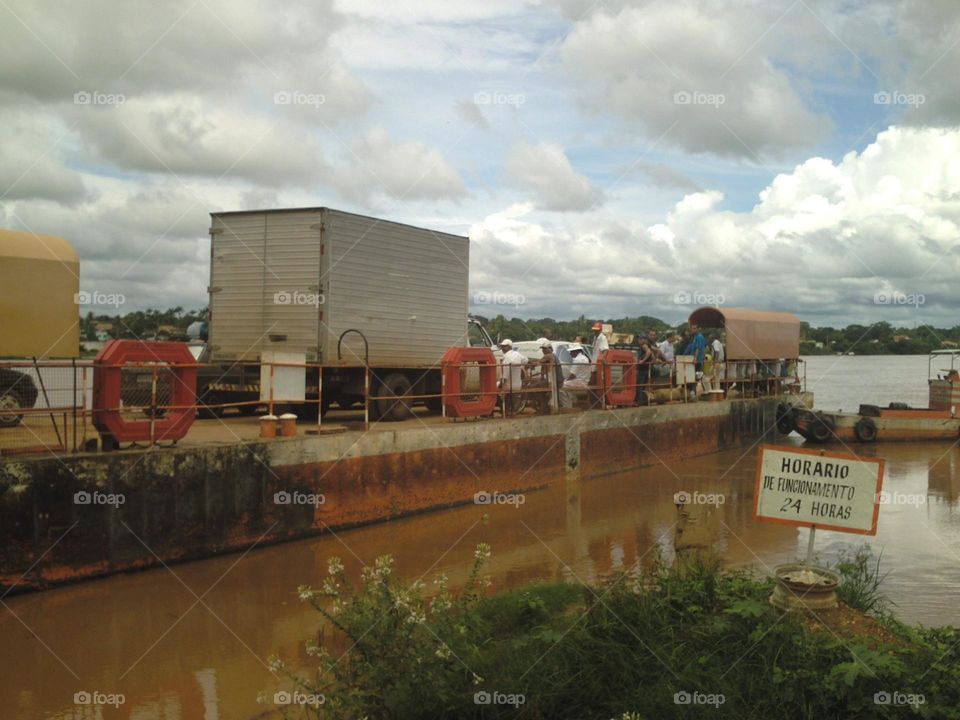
[886, 426]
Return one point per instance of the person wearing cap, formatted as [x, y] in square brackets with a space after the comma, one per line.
[600, 343]
[512, 362]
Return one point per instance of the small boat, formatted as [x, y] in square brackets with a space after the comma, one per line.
[897, 421]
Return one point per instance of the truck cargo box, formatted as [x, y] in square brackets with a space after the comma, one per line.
[294, 280]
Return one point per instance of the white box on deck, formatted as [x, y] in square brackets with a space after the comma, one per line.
[282, 374]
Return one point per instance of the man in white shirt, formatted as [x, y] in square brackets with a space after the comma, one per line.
[513, 363]
[719, 357]
[578, 377]
[600, 343]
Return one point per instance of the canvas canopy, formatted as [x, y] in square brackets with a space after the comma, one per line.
[753, 334]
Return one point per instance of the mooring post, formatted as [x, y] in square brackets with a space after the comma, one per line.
[813, 535]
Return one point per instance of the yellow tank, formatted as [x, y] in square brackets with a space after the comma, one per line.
[39, 283]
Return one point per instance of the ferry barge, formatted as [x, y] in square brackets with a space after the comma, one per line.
[897, 421]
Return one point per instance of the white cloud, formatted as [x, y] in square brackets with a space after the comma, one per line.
[689, 74]
[402, 170]
[188, 136]
[545, 171]
[821, 241]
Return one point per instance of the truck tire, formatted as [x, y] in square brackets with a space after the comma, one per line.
[394, 388]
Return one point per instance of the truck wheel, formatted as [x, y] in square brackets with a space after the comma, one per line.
[394, 387]
[350, 402]
[10, 402]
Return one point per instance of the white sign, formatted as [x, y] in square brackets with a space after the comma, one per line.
[817, 488]
[288, 380]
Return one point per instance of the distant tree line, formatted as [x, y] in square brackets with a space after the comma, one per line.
[141, 324]
[877, 339]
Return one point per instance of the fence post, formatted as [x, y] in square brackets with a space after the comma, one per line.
[153, 404]
[73, 365]
[319, 398]
[366, 397]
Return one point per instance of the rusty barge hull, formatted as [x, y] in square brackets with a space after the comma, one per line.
[189, 503]
[888, 425]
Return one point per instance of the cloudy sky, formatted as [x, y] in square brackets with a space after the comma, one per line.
[605, 158]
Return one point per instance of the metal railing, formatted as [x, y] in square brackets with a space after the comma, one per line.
[48, 405]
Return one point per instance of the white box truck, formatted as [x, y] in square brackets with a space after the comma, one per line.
[344, 290]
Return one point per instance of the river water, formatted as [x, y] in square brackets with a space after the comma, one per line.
[174, 657]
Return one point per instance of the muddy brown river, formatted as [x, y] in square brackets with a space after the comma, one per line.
[191, 641]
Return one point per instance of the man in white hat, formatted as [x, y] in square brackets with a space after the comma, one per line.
[578, 377]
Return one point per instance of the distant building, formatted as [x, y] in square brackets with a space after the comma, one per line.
[901, 338]
[949, 344]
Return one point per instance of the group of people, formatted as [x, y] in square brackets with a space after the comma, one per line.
[655, 360]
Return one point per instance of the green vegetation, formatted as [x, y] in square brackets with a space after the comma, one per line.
[878, 339]
[141, 324]
[658, 643]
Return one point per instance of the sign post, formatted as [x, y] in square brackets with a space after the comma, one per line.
[815, 488]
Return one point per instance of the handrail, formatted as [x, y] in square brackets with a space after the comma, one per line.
[366, 346]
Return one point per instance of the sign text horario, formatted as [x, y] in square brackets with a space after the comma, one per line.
[811, 487]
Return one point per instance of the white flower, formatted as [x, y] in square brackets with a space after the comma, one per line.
[314, 651]
[482, 552]
[335, 566]
[382, 566]
[443, 652]
[440, 603]
[415, 618]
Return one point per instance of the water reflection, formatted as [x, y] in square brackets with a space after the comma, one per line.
[147, 636]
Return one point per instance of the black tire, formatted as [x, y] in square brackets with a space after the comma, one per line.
[393, 389]
[865, 430]
[785, 420]
[10, 402]
[822, 428]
